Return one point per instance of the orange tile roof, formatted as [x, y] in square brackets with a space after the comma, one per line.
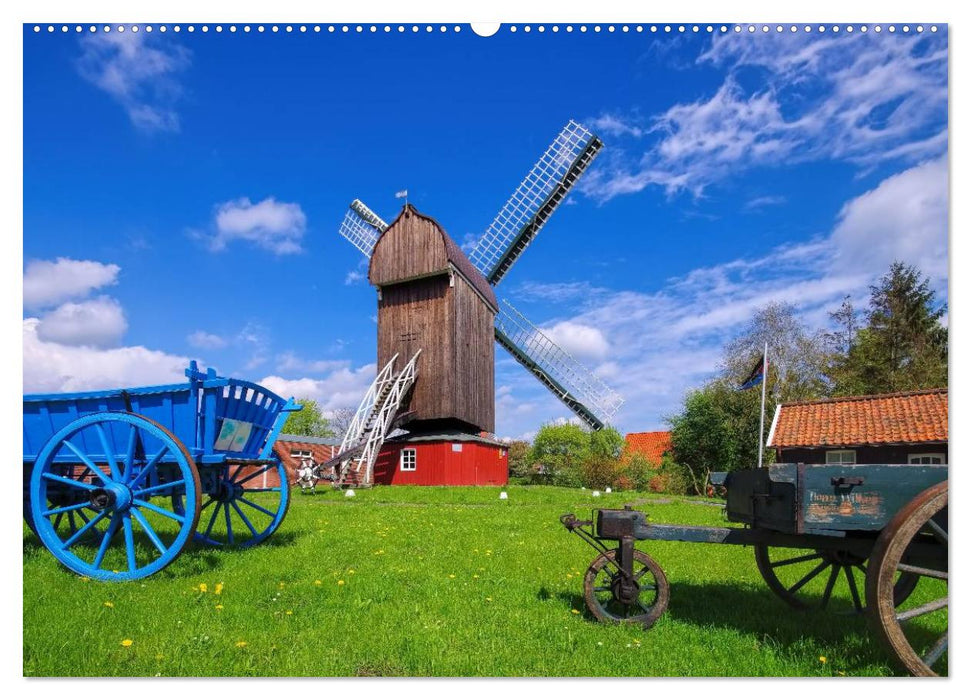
[651, 445]
[906, 417]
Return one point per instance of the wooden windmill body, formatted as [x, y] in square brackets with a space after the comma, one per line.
[431, 298]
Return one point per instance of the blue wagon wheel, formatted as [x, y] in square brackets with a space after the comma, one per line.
[94, 496]
[243, 505]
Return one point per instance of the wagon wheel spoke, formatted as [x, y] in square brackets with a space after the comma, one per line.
[57, 520]
[73, 539]
[105, 541]
[212, 521]
[109, 452]
[229, 525]
[808, 577]
[921, 571]
[796, 560]
[258, 472]
[161, 511]
[851, 580]
[245, 519]
[149, 531]
[935, 652]
[158, 487]
[130, 453]
[87, 462]
[150, 465]
[70, 521]
[833, 576]
[922, 609]
[939, 533]
[84, 486]
[129, 541]
[257, 507]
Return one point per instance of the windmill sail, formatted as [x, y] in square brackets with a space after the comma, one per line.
[534, 201]
[582, 391]
[362, 227]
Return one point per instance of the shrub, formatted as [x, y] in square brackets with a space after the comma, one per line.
[599, 472]
[639, 471]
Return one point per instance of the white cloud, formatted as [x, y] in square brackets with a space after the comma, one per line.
[275, 226]
[860, 98]
[51, 367]
[612, 125]
[341, 388]
[138, 71]
[581, 341]
[96, 322]
[47, 283]
[206, 341]
[290, 362]
[660, 344]
[256, 337]
[903, 218]
[759, 203]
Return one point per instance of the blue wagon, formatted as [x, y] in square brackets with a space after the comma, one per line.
[116, 483]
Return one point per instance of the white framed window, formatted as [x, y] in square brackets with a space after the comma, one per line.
[408, 461]
[456, 447]
[926, 458]
[301, 455]
[840, 456]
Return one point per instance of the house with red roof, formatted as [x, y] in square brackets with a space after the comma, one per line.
[652, 445]
[902, 428]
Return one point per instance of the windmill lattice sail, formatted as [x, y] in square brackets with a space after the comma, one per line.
[362, 227]
[576, 386]
[534, 201]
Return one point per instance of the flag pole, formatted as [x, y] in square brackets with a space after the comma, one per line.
[765, 380]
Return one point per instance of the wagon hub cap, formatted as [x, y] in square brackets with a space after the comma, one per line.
[116, 496]
[228, 491]
[625, 591]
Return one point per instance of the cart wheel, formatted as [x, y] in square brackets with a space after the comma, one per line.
[96, 478]
[915, 637]
[242, 512]
[833, 580]
[605, 599]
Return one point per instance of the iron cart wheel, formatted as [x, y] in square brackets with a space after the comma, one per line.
[814, 579]
[914, 542]
[91, 493]
[241, 508]
[608, 601]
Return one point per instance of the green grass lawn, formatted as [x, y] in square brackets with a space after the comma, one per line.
[413, 581]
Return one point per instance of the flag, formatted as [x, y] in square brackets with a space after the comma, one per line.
[756, 376]
[402, 193]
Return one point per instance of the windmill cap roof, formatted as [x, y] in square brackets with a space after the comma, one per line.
[453, 253]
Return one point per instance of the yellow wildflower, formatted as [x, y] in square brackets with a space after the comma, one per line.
[289, 612]
[219, 607]
[822, 659]
[240, 644]
[575, 611]
[451, 575]
[159, 657]
[126, 642]
[352, 572]
[203, 588]
[219, 588]
[489, 599]
[475, 576]
[341, 582]
[318, 582]
[109, 604]
[85, 579]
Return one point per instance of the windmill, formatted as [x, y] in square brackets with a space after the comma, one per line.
[514, 228]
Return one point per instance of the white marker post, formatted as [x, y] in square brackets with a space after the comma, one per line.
[765, 380]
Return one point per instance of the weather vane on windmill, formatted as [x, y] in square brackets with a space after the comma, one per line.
[437, 305]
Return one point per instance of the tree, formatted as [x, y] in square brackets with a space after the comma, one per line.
[606, 442]
[519, 464]
[903, 346]
[308, 421]
[717, 430]
[340, 420]
[561, 450]
[797, 358]
[846, 321]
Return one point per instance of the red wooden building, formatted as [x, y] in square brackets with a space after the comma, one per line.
[446, 458]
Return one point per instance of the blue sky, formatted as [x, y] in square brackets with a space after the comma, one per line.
[182, 194]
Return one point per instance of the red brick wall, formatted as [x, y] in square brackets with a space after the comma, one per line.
[321, 453]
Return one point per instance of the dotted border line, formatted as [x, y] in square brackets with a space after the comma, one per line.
[512, 28]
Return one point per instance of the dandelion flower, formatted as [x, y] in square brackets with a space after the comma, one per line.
[475, 576]
[126, 642]
[822, 659]
[575, 611]
[159, 657]
[240, 644]
[289, 612]
[318, 582]
[489, 599]
[219, 607]
[451, 575]
[85, 579]
[109, 604]
[203, 588]
[219, 588]
[352, 572]
[341, 582]
[600, 644]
